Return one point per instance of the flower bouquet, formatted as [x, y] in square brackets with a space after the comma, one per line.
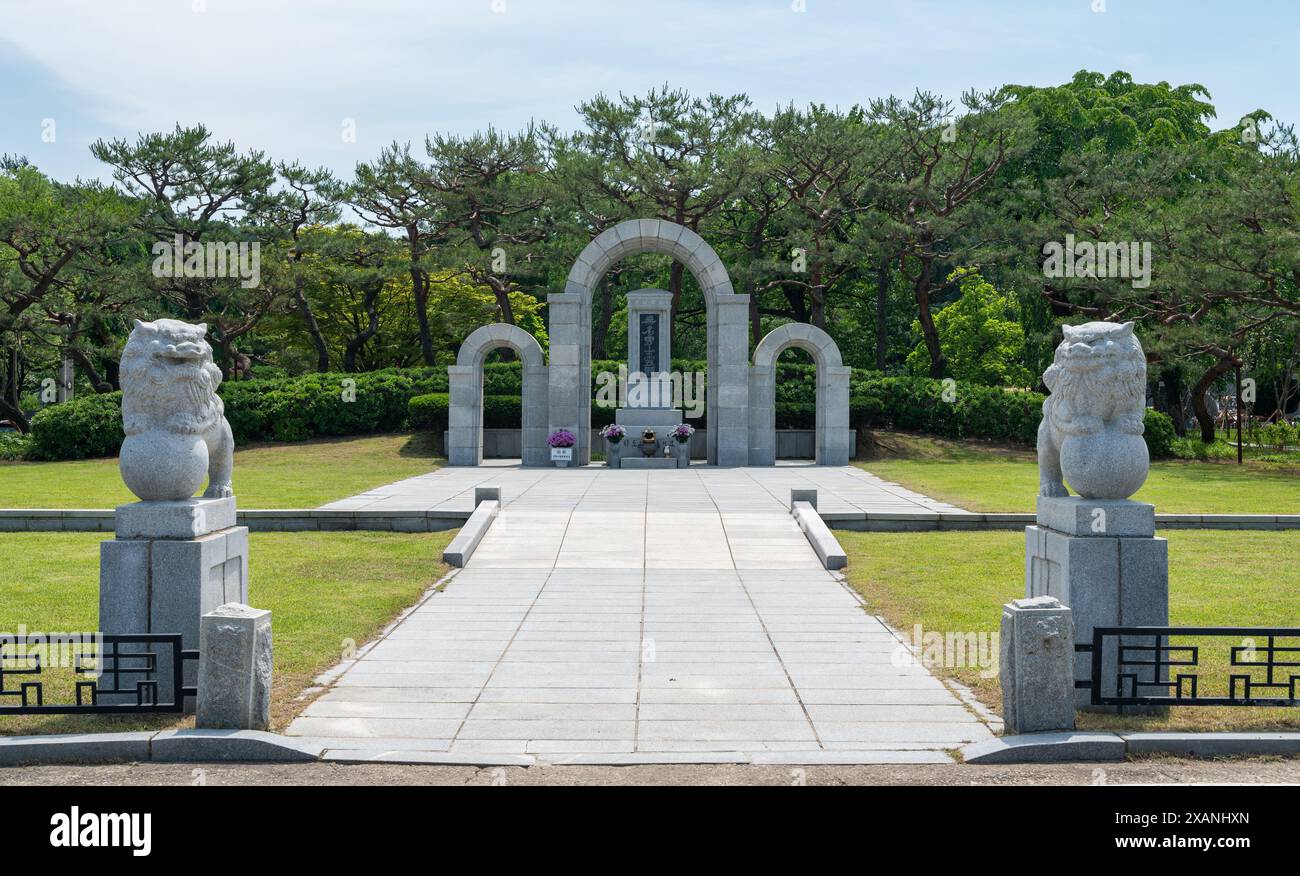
[561, 442]
[682, 433]
[613, 433]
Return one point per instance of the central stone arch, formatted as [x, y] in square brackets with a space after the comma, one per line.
[465, 388]
[833, 433]
[569, 404]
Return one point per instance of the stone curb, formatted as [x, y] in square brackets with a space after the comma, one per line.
[87, 748]
[1067, 746]
[1045, 748]
[257, 520]
[463, 545]
[192, 746]
[300, 519]
[165, 746]
[824, 544]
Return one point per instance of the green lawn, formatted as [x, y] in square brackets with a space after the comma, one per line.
[957, 582]
[980, 477]
[298, 475]
[326, 591]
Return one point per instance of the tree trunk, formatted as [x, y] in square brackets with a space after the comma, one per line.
[313, 328]
[1204, 385]
[1174, 401]
[818, 295]
[420, 286]
[600, 332]
[9, 403]
[938, 362]
[675, 286]
[755, 320]
[358, 341]
[882, 306]
[88, 368]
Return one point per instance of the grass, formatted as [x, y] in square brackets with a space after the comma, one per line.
[958, 581]
[325, 590]
[984, 477]
[297, 475]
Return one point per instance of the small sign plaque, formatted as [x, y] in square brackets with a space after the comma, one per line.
[561, 453]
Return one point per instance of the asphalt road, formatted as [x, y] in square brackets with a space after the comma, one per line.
[1147, 771]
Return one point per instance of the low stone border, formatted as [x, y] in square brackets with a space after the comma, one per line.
[925, 521]
[1106, 746]
[163, 746]
[824, 544]
[251, 746]
[311, 519]
[269, 520]
[463, 545]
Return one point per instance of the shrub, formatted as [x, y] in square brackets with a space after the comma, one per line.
[88, 426]
[1158, 432]
[14, 445]
[429, 411]
[918, 404]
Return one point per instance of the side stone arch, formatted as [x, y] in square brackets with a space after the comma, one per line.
[728, 339]
[833, 437]
[465, 386]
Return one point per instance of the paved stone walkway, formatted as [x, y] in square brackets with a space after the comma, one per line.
[644, 616]
[597, 488]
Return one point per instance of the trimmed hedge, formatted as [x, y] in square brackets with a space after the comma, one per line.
[86, 427]
[499, 411]
[298, 408]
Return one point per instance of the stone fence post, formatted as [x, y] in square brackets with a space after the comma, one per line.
[234, 668]
[1037, 667]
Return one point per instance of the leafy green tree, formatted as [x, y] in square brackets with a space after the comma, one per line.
[981, 334]
[197, 190]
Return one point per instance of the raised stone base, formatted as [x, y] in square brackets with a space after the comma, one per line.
[637, 420]
[164, 585]
[1074, 515]
[639, 461]
[187, 518]
[1106, 580]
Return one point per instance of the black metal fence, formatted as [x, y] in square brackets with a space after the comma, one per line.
[142, 673]
[1141, 666]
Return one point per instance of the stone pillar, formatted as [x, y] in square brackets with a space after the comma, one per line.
[536, 389]
[235, 668]
[762, 415]
[1037, 666]
[465, 415]
[834, 438]
[1101, 558]
[171, 562]
[649, 345]
[729, 381]
[569, 374]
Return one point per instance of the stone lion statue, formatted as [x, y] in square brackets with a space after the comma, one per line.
[1091, 433]
[175, 425]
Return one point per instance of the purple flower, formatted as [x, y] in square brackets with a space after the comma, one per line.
[682, 432]
[561, 438]
[613, 433]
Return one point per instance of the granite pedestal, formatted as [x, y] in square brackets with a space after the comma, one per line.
[171, 563]
[1103, 560]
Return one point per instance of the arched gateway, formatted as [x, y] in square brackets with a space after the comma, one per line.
[740, 406]
[465, 386]
[728, 342]
[833, 438]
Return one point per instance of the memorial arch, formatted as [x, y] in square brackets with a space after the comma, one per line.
[465, 388]
[833, 436]
[569, 325]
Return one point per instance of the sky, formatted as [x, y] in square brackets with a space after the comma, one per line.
[295, 77]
